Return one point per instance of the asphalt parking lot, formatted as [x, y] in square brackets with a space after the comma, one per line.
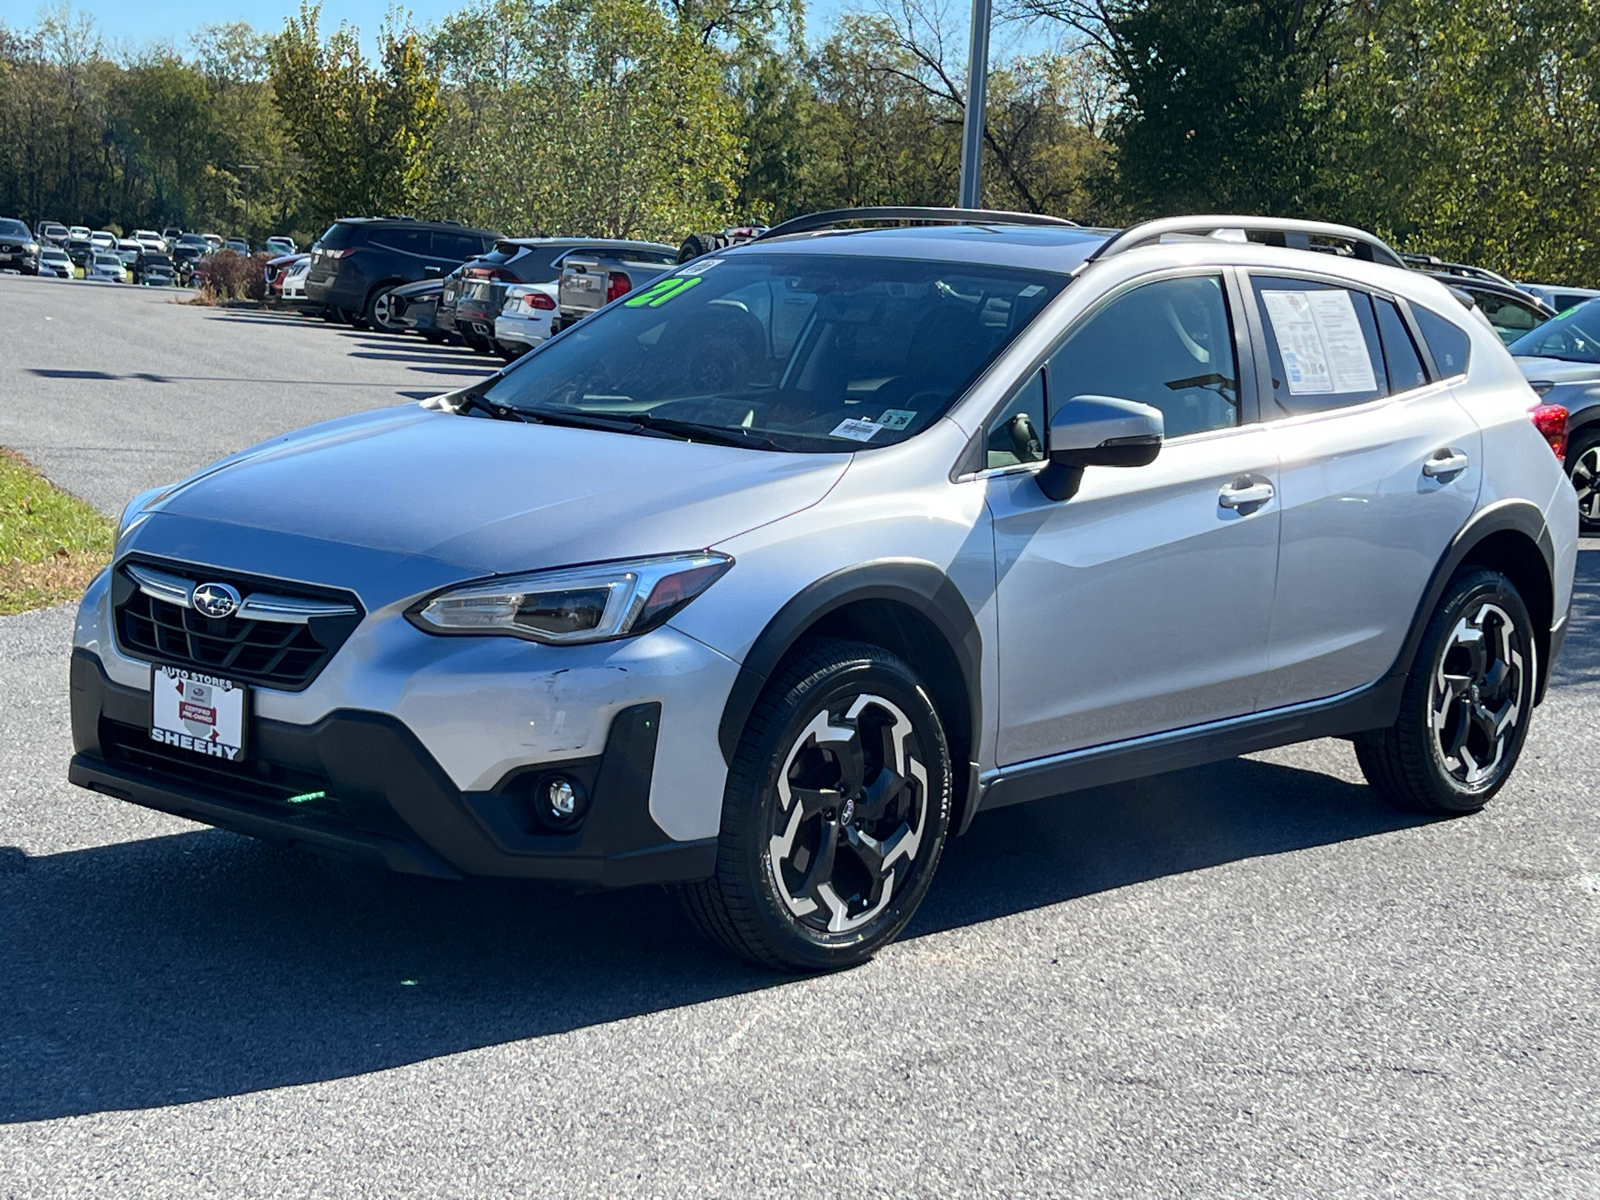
[1250, 979]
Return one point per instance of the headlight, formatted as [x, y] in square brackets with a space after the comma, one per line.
[576, 604]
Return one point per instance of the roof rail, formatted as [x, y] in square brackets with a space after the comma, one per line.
[1277, 231]
[812, 222]
[1427, 262]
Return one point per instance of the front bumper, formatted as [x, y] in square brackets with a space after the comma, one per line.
[384, 799]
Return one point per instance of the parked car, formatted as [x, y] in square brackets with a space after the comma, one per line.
[79, 247]
[698, 244]
[105, 265]
[151, 241]
[275, 270]
[19, 250]
[415, 306]
[281, 245]
[214, 241]
[53, 260]
[1561, 360]
[1510, 310]
[52, 233]
[151, 269]
[171, 234]
[526, 319]
[1559, 298]
[769, 577]
[129, 251]
[293, 282]
[484, 281]
[591, 279]
[237, 245]
[359, 260]
[103, 239]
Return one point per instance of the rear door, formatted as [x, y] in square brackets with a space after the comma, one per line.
[1379, 468]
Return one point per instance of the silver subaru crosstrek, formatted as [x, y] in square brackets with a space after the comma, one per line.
[769, 577]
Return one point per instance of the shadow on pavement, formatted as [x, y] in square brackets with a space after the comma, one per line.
[1580, 657]
[201, 965]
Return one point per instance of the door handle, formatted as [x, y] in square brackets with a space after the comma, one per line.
[1445, 464]
[1245, 495]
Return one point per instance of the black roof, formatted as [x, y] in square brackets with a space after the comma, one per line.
[413, 222]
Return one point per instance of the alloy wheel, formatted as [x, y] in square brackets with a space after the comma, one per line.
[383, 311]
[1586, 482]
[851, 809]
[1477, 696]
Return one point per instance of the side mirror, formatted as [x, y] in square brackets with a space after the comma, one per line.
[430, 272]
[1098, 431]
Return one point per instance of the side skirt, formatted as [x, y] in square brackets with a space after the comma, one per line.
[1374, 706]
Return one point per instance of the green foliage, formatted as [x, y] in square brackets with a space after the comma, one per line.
[598, 117]
[361, 131]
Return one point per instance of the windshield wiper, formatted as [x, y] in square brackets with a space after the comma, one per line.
[500, 412]
[694, 431]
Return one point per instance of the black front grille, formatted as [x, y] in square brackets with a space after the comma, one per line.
[271, 653]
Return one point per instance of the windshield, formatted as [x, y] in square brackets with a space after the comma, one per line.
[14, 229]
[1574, 335]
[796, 352]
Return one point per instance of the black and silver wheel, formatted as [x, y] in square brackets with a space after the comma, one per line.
[1465, 709]
[834, 816]
[1583, 467]
[380, 312]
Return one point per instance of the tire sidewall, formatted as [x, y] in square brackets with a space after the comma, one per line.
[753, 786]
[1585, 441]
[1466, 594]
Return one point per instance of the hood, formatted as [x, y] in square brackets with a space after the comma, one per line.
[491, 497]
[1558, 370]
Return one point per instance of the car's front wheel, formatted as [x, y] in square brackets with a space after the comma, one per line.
[834, 816]
[1583, 467]
[1465, 708]
[380, 312]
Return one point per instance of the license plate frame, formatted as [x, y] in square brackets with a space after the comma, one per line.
[198, 712]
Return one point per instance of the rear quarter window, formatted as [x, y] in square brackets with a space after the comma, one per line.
[1447, 341]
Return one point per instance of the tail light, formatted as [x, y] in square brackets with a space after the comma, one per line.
[617, 284]
[345, 253]
[540, 301]
[1551, 421]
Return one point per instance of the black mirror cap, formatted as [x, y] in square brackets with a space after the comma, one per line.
[1063, 474]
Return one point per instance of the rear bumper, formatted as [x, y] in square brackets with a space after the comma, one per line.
[382, 799]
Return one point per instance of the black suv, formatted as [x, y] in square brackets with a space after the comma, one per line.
[18, 250]
[1511, 311]
[360, 260]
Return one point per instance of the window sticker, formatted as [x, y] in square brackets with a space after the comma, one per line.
[1321, 342]
[1033, 289]
[698, 268]
[897, 418]
[856, 430]
[660, 292]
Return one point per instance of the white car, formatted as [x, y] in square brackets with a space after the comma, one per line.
[294, 283]
[128, 251]
[151, 240]
[105, 265]
[78, 233]
[103, 239]
[526, 320]
[53, 260]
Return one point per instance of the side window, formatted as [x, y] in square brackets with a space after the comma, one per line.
[1399, 351]
[409, 241]
[458, 246]
[1448, 342]
[1510, 318]
[1322, 344]
[1168, 344]
[1016, 432]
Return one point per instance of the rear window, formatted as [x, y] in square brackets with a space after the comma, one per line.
[1447, 342]
[341, 235]
[537, 264]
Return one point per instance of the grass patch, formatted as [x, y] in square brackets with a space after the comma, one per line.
[51, 544]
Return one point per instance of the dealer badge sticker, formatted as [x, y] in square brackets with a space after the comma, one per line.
[197, 712]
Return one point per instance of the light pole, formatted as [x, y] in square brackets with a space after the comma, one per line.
[249, 169]
[977, 99]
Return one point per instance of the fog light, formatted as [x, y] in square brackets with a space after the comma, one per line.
[562, 799]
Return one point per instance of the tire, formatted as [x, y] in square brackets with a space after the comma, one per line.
[1583, 468]
[828, 842]
[377, 313]
[510, 351]
[1466, 705]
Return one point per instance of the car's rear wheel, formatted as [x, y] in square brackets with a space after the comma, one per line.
[510, 351]
[834, 815]
[1466, 705]
[380, 312]
[1583, 467]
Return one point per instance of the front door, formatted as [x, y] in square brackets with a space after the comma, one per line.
[1142, 604]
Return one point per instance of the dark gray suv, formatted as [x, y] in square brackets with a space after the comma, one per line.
[360, 260]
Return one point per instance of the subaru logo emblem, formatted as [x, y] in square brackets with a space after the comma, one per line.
[215, 600]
